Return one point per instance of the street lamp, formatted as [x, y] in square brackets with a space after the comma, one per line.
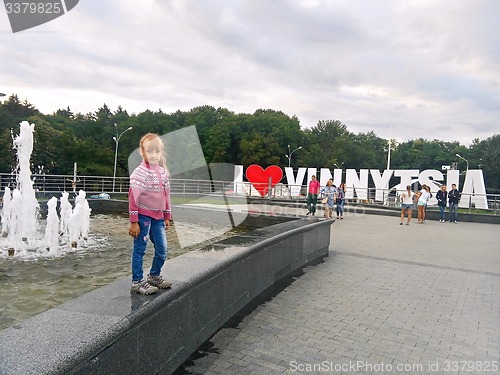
[117, 139]
[341, 164]
[289, 156]
[464, 160]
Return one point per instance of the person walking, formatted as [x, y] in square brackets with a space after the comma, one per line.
[312, 195]
[328, 194]
[340, 201]
[441, 197]
[406, 205]
[150, 215]
[453, 198]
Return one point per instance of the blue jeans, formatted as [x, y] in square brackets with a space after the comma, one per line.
[453, 212]
[340, 208]
[154, 230]
[441, 212]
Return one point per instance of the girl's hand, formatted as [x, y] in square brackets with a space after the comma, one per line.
[134, 230]
[167, 224]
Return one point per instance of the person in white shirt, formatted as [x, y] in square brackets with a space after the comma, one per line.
[423, 197]
[406, 204]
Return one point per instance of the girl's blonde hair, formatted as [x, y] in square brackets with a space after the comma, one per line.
[153, 140]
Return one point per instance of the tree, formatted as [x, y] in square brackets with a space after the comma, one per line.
[262, 137]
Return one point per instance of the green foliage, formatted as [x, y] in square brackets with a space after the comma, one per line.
[263, 138]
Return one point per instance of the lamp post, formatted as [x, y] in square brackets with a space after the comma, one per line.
[339, 167]
[289, 156]
[117, 139]
[466, 161]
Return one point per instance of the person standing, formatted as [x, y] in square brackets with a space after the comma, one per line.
[150, 215]
[453, 197]
[406, 205]
[441, 197]
[340, 201]
[423, 197]
[312, 195]
[328, 193]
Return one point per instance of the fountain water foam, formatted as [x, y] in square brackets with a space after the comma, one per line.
[19, 224]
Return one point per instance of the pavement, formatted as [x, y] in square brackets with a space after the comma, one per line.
[389, 299]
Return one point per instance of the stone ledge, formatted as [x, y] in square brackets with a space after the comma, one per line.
[111, 331]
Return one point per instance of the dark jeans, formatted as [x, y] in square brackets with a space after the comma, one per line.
[441, 212]
[311, 202]
[453, 212]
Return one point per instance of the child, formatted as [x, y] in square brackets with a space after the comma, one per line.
[149, 210]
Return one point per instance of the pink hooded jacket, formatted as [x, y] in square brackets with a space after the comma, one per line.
[149, 192]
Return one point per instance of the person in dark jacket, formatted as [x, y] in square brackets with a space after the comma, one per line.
[453, 197]
[441, 197]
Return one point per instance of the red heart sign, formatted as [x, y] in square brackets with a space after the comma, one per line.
[259, 177]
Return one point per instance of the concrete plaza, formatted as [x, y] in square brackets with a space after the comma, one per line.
[417, 299]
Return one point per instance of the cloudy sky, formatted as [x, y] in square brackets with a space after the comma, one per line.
[402, 68]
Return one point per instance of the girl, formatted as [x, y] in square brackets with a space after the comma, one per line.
[423, 197]
[441, 198]
[329, 193]
[340, 200]
[406, 204]
[149, 211]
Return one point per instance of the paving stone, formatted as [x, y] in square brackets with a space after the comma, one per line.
[423, 295]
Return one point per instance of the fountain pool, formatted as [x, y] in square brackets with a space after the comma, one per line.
[32, 285]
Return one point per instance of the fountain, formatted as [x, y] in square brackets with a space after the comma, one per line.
[19, 218]
[45, 270]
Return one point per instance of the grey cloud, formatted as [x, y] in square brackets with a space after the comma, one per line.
[372, 65]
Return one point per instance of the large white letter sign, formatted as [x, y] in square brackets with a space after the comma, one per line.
[474, 190]
[294, 184]
[452, 177]
[360, 184]
[326, 174]
[381, 183]
[406, 177]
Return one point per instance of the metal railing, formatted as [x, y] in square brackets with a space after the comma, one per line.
[52, 184]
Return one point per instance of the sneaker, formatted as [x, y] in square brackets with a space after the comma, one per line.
[400, 223]
[159, 282]
[142, 287]
[308, 212]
